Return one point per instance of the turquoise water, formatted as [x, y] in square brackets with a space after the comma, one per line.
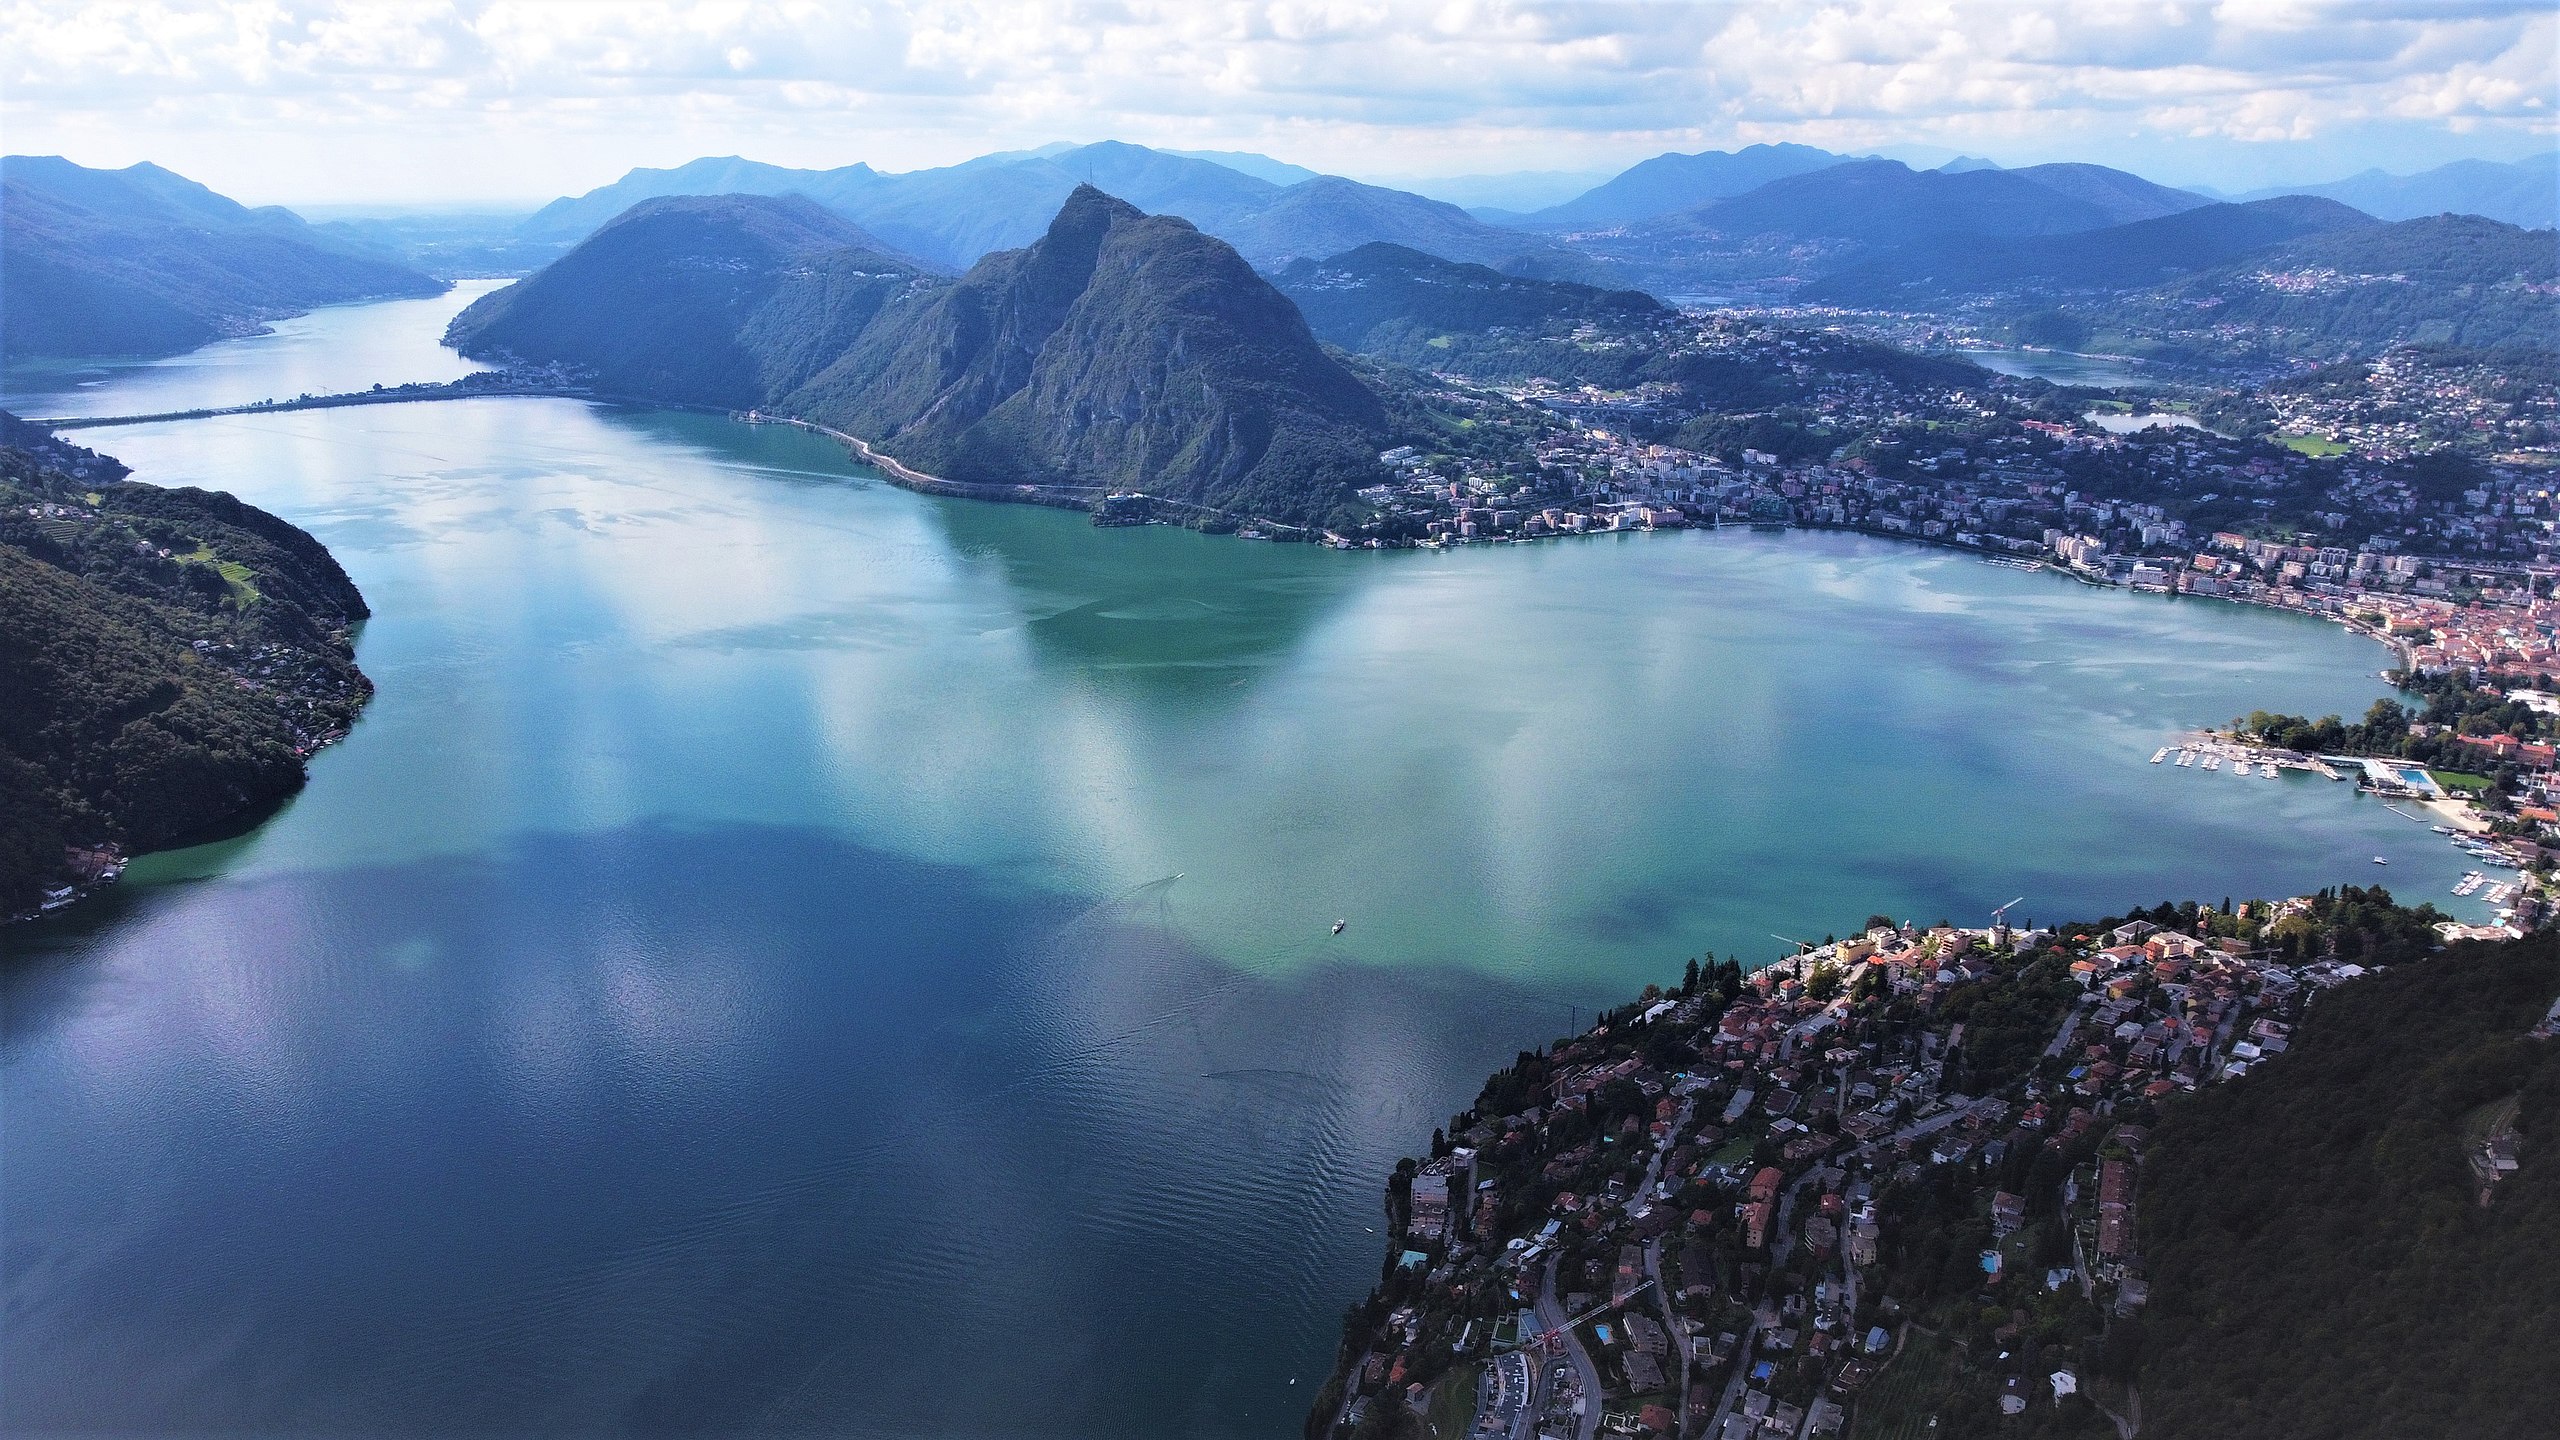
[735, 976]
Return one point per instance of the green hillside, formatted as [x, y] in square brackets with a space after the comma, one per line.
[2456, 280]
[1415, 309]
[168, 657]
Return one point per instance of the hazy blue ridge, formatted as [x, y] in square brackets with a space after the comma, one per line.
[1671, 182]
[2119, 257]
[142, 261]
[2522, 192]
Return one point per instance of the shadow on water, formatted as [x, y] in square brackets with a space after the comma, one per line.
[1151, 606]
[1160, 606]
[696, 1129]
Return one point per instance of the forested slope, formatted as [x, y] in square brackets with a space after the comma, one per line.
[2322, 1265]
[168, 658]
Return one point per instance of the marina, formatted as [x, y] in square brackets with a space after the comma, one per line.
[2397, 784]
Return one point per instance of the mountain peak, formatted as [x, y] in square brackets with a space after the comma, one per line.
[1088, 205]
[1119, 349]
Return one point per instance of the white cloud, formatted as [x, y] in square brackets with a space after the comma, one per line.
[285, 97]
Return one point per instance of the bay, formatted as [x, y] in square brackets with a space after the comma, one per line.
[786, 954]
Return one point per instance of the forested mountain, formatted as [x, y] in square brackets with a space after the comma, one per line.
[2322, 1262]
[2446, 280]
[141, 261]
[1672, 182]
[711, 300]
[167, 660]
[2524, 192]
[1418, 310]
[1119, 349]
[2119, 257]
[1347, 298]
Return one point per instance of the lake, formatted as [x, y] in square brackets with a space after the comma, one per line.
[786, 954]
[330, 351]
[2063, 367]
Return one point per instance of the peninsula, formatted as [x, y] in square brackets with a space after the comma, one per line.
[169, 659]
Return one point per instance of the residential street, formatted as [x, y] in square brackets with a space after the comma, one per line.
[1653, 1264]
[1551, 1313]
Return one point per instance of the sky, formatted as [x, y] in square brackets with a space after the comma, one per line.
[448, 101]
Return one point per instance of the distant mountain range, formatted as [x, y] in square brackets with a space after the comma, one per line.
[2524, 192]
[141, 261]
[1766, 222]
[1668, 183]
[1503, 197]
[951, 216]
[1117, 349]
[1885, 202]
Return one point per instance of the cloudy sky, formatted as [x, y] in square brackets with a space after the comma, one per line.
[447, 100]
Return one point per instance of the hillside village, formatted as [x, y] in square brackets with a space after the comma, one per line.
[1893, 1168]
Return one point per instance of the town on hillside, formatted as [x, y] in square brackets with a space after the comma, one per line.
[1765, 1206]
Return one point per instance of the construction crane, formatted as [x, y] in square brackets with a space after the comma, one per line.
[1549, 1340]
[1801, 946]
[2000, 917]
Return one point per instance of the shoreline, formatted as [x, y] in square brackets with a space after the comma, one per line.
[1081, 497]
